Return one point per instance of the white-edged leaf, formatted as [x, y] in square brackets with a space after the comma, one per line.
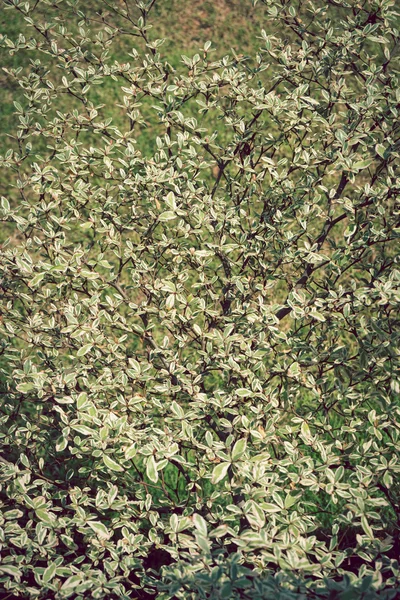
[45, 516]
[170, 301]
[81, 401]
[291, 500]
[83, 429]
[294, 369]
[317, 315]
[270, 508]
[133, 363]
[380, 149]
[5, 204]
[151, 469]
[367, 527]
[170, 200]
[49, 572]
[61, 443]
[130, 452]
[177, 410]
[168, 215]
[362, 164]
[36, 280]
[100, 530]
[71, 583]
[10, 570]
[244, 392]
[84, 349]
[219, 472]
[200, 524]
[112, 464]
[305, 431]
[25, 387]
[239, 449]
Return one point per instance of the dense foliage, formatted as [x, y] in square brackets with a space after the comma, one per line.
[199, 333]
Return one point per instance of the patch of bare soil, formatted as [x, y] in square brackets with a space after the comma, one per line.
[228, 23]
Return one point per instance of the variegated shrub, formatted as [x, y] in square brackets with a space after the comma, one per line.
[199, 291]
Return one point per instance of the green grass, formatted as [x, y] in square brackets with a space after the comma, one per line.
[185, 25]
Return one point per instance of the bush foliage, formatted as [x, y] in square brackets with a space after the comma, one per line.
[199, 294]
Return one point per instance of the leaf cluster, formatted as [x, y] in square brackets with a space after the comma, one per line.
[199, 368]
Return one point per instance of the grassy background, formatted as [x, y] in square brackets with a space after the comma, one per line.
[185, 25]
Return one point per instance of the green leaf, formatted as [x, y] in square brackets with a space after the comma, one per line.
[83, 429]
[366, 526]
[317, 315]
[219, 472]
[5, 204]
[36, 280]
[291, 500]
[168, 215]
[380, 149]
[49, 572]
[10, 570]
[239, 449]
[170, 301]
[244, 393]
[151, 469]
[100, 530]
[61, 443]
[170, 200]
[270, 508]
[200, 524]
[362, 164]
[112, 464]
[45, 516]
[305, 431]
[84, 350]
[71, 583]
[25, 388]
[81, 401]
[226, 590]
[294, 369]
[177, 410]
[130, 452]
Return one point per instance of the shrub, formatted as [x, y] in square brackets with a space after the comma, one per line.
[199, 369]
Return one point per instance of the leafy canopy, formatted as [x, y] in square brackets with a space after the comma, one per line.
[199, 296]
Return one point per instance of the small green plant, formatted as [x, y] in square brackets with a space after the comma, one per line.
[199, 368]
